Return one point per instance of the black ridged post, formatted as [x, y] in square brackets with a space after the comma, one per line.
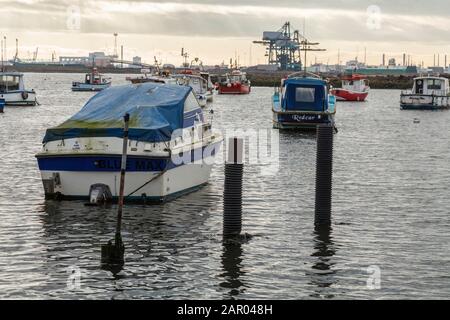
[324, 174]
[232, 194]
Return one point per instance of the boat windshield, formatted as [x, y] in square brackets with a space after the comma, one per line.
[9, 83]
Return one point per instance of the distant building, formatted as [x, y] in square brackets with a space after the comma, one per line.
[137, 60]
[318, 68]
[436, 69]
[99, 58]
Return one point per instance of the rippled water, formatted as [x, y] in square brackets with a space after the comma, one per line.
[390, 210]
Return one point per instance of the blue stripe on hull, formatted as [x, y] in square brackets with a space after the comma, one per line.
[112, 163]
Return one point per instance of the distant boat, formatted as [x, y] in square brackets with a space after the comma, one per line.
[303, 103]
[354, 88]
[170, 152]
[198, 84]
[12, 90]
[428, 93]
[235, 82]
[93, 81]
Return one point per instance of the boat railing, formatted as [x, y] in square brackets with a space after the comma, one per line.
[304, 74]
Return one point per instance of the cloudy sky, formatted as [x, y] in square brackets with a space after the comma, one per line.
[216, 30]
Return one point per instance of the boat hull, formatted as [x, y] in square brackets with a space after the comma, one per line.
[69, 178]
[346, 95]
[235, 88]
[90, 87]
[19, 98]
[424, 102]
[300, 121]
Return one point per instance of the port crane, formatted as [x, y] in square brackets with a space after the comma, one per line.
[284, 47]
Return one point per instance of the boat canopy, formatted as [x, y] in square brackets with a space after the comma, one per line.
[304, 94]
[156, 110]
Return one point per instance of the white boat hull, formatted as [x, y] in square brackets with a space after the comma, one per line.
[171, 184]
[19, 99]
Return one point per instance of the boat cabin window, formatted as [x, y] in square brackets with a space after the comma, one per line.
[434, 84]
[191, 103]
[9, 83]
[305, 94]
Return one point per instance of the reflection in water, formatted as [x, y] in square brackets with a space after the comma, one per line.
[324, 250]
[231, 265]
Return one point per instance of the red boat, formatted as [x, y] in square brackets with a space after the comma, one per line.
[235, 82]
[354, 88]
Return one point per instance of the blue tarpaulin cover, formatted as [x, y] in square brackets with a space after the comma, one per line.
[312, 98]
[156, 110]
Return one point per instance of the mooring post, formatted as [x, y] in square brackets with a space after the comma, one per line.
[232, 194]
[113, 254]
[324, 174]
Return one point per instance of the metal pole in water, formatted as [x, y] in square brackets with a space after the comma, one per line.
[324, 174]
[232, 194]
[113, 253]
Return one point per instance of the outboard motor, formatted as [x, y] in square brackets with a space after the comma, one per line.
[99, 194]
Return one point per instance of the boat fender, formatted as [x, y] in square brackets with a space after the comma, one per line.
[24, 95]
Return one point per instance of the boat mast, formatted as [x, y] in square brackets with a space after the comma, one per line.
[306, 46]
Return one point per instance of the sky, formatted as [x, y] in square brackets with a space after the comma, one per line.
[216, 31]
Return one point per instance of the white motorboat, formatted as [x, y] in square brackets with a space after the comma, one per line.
[428, 93]
[171, 146]
[12, 90]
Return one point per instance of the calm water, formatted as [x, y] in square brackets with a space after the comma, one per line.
[391, 210]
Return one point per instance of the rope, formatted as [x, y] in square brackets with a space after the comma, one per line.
[155, 177]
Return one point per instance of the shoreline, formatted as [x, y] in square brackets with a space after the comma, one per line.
[257, 78]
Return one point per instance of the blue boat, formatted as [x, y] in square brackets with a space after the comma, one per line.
[303, 103]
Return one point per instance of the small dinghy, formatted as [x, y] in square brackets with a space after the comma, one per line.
[93, 81]
[171, 146]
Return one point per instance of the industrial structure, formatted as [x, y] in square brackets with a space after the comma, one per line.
[284, 47]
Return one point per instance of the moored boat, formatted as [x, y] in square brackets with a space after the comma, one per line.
[12, 90]
[303, 103]
[93, 81]
[235, 82]
[198, 84]
[354, 88]
[428, 93]
[170, 152]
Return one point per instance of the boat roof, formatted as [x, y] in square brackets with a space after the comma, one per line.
[306, 81]
[354, 77]
[430, 77]
[11, 73]
[155, 110]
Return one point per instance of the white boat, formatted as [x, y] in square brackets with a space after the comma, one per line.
[428, 93]
[198, 84]
[93, 81]
[171, 146]
[209, 85]
[12, 90]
